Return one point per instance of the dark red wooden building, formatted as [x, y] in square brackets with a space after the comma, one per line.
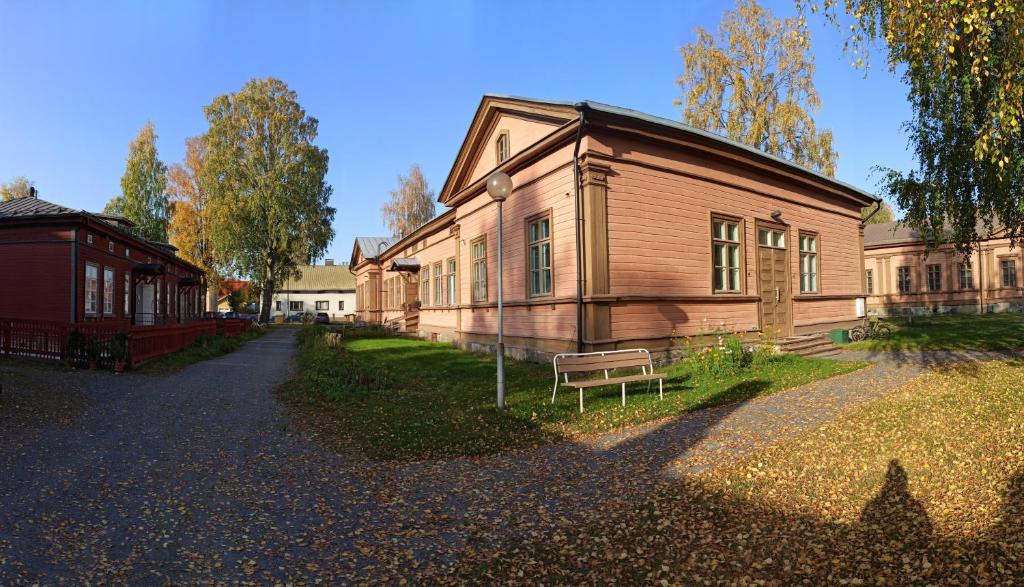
[72, 266]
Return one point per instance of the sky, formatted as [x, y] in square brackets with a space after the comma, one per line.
[391, 83]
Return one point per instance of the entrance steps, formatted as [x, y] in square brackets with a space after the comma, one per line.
[809, 345]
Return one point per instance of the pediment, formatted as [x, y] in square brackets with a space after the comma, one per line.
[525, 122]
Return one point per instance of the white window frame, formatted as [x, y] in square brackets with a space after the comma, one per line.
[478, 253]
[808, 262]
[966, 276]
[326, 305]
[92, 285]
[726, 255]
[540, 279]
[296, 306]
[108, 290]
[869, 281]
[450, 281]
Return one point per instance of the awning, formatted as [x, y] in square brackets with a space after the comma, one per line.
[148, 269]
[410, 264]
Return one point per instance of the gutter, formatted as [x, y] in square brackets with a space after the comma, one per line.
[74, 275]
[878, 207]
[582, 108]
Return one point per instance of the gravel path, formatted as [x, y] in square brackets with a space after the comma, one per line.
[201, 476]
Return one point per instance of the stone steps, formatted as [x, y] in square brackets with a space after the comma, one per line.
[809, 345]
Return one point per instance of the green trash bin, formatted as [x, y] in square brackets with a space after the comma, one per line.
[839, 335]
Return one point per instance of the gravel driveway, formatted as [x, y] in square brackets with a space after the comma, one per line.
[201, 477]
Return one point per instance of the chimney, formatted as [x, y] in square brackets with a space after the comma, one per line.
[329, 262]
[32, 193]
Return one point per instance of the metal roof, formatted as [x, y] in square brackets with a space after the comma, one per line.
[406, 264]
[894, 233]
[371, 246]
[321, 278]
[21, 207]
[665, 122]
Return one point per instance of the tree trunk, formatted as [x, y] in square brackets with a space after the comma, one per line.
[267, 297]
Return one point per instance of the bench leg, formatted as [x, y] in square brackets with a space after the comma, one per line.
[661, 393]
[581, 400]
[623, 395]
[554, 391]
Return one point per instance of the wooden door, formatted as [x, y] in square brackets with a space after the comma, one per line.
[773, 280]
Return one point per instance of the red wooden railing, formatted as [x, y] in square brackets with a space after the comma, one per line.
[40, 339]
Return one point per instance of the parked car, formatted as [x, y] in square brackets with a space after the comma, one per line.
[296, 317]
[322, 318]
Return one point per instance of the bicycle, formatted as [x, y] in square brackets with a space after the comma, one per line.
[872, 328]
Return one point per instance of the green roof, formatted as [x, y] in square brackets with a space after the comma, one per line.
[321, 278]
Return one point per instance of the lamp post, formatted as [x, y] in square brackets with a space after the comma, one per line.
[499, 186]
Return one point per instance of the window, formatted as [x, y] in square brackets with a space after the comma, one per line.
[92, 273]
[934, 277]
[502, 148]
[295, 306]
[808, 263]
[903, 279]
[88, 238]
[438, 292]
[110, 246]
[341, 305]
[159, 297]
[725, 253]
[538, 234]
[450, 276]
[277, 305]
[323, 305]
[172, 296]
[479, 255]
[771, 238]
[127, 289]
[127, 252]
[1009, 270]
[966, 276]
[425, 287]
[108, 291]
[869, 281]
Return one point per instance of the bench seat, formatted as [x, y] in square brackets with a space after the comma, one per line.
[582, 384]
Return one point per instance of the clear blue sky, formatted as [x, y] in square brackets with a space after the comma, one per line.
[392, 83]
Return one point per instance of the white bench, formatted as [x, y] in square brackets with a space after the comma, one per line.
[605, 361]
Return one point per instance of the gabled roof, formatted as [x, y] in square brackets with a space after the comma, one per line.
[405, 264]
[22, 207]
[371, 246]
[896, 233]
[492, 106]
[321, 278]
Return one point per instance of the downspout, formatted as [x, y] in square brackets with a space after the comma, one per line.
[74, 275]
[581, 107]
[878, 207]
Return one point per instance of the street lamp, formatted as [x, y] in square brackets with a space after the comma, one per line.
[499, 186]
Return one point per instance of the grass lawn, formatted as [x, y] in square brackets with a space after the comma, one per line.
[403, 398]
[923, 487]
[207, 347]
[983, 332]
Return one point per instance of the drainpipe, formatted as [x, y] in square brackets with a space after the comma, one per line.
[581, 107]
[74, 275]
[878, 206]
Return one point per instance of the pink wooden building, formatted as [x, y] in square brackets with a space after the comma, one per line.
[668, 232]
[903, 277]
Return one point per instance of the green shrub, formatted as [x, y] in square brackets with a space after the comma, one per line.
[725, 356]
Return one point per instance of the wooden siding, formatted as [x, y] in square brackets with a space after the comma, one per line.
[522, 133]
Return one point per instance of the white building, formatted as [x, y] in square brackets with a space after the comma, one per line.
[326, 288]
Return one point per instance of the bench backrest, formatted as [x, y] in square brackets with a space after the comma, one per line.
[601, 361]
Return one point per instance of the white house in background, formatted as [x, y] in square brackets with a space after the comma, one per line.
[326, 288]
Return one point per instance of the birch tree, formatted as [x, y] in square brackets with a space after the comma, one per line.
[266, 181]
[19, 187]
[189, 228]
[411, 205]
[753, 83]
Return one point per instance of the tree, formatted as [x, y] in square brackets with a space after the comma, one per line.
[411, 205]
[961, 62]
[115, 206]
[884, 214]
[19, 187]
[189, 225]
[753, 84]
[267, 191]
[143, 183]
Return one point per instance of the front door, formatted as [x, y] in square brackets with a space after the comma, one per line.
[773, 280]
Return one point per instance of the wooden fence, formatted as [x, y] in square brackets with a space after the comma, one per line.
[39, 339]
